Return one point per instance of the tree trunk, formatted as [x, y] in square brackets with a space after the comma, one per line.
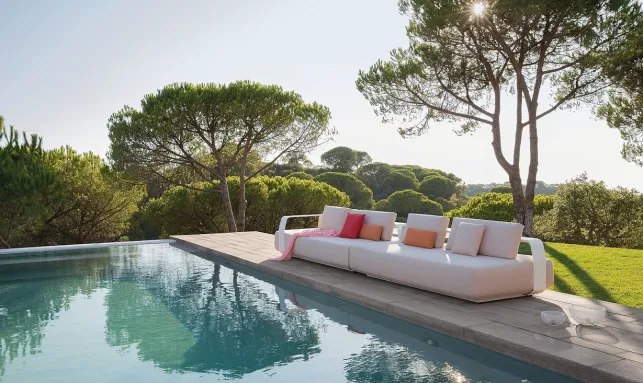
[528, 220]
[518, 195]
[243, 203]
[530, 188]
[227, 205]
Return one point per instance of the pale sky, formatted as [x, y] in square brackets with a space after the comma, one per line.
[66, 66]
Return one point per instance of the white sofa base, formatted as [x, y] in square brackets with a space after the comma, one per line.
[476, 279]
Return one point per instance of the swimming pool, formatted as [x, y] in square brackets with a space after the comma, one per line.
[159, 313]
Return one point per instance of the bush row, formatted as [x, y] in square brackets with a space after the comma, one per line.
[182, 210]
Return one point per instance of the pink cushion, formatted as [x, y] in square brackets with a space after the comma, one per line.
[352, 225]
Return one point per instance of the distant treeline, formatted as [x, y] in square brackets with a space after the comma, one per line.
[475, 189]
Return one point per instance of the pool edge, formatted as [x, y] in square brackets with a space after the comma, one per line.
[82, 246]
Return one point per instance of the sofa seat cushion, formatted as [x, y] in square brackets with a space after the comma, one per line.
[329, 251]
[476, 279]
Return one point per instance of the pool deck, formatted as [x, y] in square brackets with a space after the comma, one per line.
[612, 353]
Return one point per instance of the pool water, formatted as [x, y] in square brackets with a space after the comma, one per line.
[158, 313]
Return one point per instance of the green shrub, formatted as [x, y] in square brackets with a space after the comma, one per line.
[360, 195]
[60, 196]
[382, 205]
[501, 189]
[407, 170]
[587, 212]
[437, 186]
[373, 176]
[498, 207]
[185, 211]
[399, 180]
[409, 201]
[446, 204]
[300, 175]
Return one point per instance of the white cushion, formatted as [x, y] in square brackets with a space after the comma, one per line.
[436, 223]
[500, 239]
[467, 242]
[331, 251]
[333, 218]
[383, 218]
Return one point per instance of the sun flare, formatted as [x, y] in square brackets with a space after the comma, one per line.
[478, 9]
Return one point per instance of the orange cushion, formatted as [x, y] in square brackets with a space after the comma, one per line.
[420, 238]
[371, 231]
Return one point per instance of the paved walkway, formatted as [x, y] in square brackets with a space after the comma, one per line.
[613, 353]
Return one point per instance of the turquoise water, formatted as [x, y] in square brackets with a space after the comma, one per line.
[156, 313]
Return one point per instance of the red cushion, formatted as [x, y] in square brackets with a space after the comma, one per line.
[352, 225]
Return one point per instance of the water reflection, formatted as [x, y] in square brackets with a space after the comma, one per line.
[205, 319]
[182, 313]
[31, 297]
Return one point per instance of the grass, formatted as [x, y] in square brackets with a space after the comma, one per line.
[605, 273]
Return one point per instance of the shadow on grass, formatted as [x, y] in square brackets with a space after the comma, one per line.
[596, 289]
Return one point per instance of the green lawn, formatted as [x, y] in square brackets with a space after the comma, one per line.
[605, 273]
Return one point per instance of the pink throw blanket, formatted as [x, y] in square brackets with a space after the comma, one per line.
[306, 233]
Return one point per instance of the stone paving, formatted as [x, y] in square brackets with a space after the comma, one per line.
[610, 353]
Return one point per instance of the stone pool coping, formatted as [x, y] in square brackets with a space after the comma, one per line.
[30, 251]
[511, 327]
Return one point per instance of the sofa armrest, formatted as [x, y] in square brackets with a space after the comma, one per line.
[540, 264]
[282, 228]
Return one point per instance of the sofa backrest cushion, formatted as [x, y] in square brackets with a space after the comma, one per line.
[384, 218]
[469, 239]
[333, 218]
[500, 239]
[436, 223]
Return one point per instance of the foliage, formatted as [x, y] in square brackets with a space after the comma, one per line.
[399, 180]
[59, 197]
[447, 205]
[459, 65]
[437, 186]
[300, 175]
[587, 212]
[344, 159]
[26, 180]
[406, 170]
[409, 201]
[189, 211]
[541, 188]
[498, 207]
[94, 204]
[360, 195]
[373, 176]
[297, 160]
[421, 173]
[624, 110]
[501, 189]
[212, 130]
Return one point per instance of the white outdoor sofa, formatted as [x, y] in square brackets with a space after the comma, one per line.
[497, 272]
